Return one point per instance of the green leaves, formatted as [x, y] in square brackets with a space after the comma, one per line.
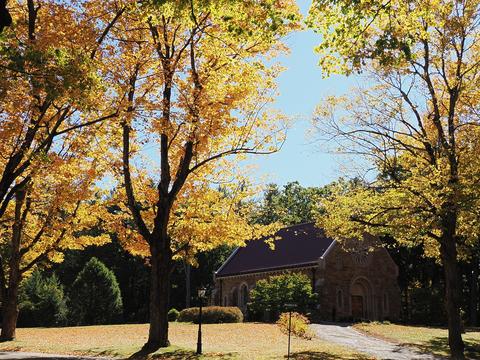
[273, 293]
[355, 33]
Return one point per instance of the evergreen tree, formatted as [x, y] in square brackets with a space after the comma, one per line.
[131, 272]
[95, 296]
[42, 301]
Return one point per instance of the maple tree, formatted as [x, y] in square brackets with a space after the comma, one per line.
[52, 121]
[53, 212]
[198, 92]
[417, 124]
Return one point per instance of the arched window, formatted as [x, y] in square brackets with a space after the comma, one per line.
[339, 299]
[234, 301]
[243, 295]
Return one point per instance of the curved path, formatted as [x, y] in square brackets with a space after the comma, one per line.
[19, 355]
[345, 335]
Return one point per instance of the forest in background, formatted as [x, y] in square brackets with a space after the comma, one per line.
[420, 279]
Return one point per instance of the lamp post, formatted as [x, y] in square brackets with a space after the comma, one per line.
[290, 307]
[201, 294]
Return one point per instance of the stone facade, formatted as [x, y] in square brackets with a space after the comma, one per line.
[351, 285]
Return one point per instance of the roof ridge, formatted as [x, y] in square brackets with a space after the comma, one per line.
[234, 252]
[314, 243]
[300, 224]
[228, 259]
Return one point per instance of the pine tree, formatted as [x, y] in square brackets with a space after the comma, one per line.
[95, 296]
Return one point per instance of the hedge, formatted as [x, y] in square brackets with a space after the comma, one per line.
[173, 314]
[212, 315]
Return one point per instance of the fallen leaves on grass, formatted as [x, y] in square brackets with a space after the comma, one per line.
[220, 341]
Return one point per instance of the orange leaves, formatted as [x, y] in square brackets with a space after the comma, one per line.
[52, 91]
[194, 89]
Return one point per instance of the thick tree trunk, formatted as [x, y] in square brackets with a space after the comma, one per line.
[159, 300]
[9, 314]
[452, 297]
[10, 301]
[10, 294]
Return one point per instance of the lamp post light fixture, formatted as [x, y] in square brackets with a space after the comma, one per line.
[201, 294]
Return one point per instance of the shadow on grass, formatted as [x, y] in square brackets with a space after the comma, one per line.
[173, 353]
[321, 355]
[439, 347]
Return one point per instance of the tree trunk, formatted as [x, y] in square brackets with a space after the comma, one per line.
[159, 299]
[407, 316]
[10, 302]
[474, 293]
[9, 314]
[452, 297]
[188, 285]
[10, 294]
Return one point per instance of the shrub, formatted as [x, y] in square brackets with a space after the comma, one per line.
[270, 295]
[95, 296]
[212, 315]
[299, 325]
[173, 314]
[42, 301]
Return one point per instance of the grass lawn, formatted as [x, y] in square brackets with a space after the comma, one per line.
[429, 339]
[250, 341]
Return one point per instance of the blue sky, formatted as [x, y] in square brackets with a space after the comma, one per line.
[301, 88]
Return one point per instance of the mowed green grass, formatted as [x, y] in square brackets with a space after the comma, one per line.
[220, 341]
[428, 339]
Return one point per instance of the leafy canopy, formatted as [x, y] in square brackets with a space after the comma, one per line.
[199, 88]
[417, 124]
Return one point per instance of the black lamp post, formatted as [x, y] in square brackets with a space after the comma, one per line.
[201, 295]
[290, 307]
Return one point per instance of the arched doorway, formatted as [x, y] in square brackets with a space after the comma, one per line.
[360, 298]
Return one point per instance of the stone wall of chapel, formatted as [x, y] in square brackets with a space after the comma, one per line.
[225, 287]
[334, 280]
[374, 274]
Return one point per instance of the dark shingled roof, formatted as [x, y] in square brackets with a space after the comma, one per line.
[300, 245]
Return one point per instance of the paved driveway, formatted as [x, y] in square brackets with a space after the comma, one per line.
[349, 337]
[39, 356]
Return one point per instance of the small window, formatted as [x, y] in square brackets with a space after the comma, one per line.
[243, 295]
